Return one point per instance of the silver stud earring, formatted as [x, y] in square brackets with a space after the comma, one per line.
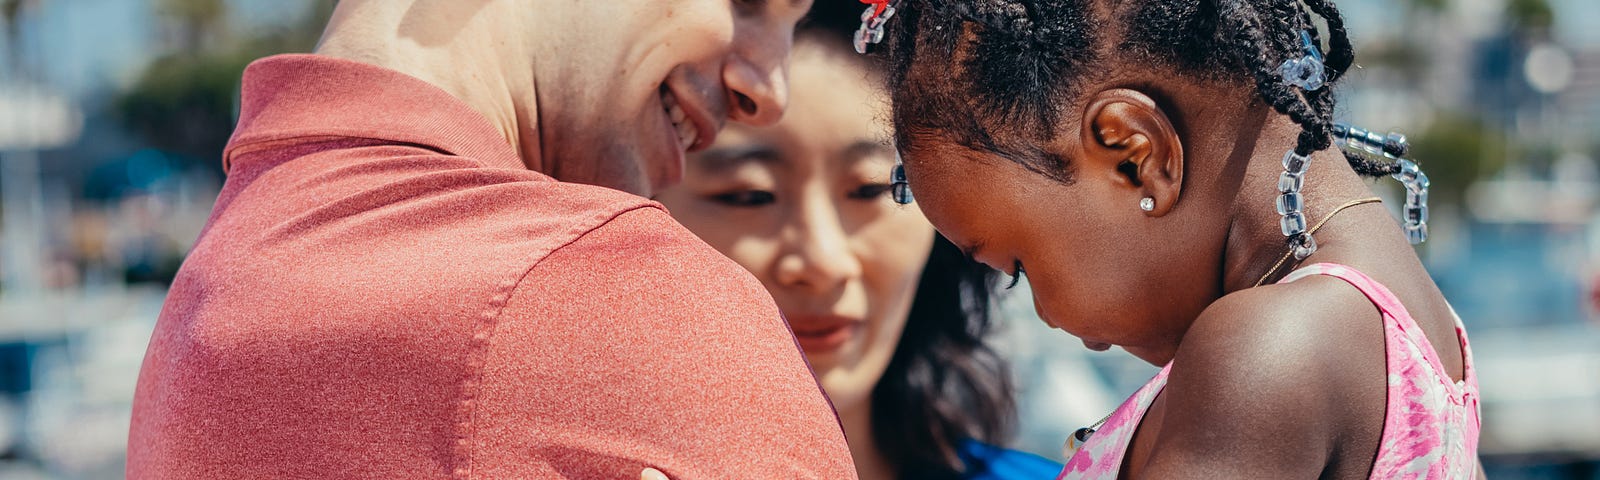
[1147, 204]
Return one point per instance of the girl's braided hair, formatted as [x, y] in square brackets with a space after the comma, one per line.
[957, 66]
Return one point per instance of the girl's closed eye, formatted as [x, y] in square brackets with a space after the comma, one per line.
[1016, 273]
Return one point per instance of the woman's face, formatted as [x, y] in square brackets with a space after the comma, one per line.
[804, 205]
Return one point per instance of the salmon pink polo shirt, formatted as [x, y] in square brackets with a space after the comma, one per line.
[383, 290]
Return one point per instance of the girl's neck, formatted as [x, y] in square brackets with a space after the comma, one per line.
[1255, 241]
[869, 460]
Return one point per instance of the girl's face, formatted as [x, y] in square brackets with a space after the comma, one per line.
[1100, 266]
[804, 205]
[1079, 264]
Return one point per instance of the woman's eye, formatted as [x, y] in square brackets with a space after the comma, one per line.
[870, 191]
[745, 198]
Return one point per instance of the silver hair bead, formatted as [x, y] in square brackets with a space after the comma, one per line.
[1421, 184]
[871, 30]
[1408, 171]
[1305, 247]
[1306, 72]
[1415, 213]
[1290, 203]
[1420, 197]
[1290, 182]
[1302, 72]
[1294, 162]
[1417, 234]
[1361, 140]
[1393, 146]
[1293, 224]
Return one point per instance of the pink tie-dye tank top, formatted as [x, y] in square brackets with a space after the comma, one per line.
[1430, 425]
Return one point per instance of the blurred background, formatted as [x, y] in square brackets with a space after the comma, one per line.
[113, 114]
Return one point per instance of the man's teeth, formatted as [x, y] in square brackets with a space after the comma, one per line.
[687, 133]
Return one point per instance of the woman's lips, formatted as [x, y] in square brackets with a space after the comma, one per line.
[823, 333]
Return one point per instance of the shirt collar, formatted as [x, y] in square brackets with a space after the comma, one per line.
[285, 98]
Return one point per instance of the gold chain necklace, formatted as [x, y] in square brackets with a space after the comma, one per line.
[1320, 223]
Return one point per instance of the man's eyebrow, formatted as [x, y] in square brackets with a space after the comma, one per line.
[725, 159]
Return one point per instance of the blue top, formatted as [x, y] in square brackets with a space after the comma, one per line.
[988, 462]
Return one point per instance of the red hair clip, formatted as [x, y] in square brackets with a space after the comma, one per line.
[878, 6]
[872, 21]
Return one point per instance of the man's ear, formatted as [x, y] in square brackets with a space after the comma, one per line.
[1128, 137]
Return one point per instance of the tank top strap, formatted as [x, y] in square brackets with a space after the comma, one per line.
[1391, 308]
[1376, 292]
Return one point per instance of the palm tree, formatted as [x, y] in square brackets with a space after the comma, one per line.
[183, 103]
[1530, 16]
[198, 20]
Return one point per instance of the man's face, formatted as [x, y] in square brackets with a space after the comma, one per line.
[638, 83]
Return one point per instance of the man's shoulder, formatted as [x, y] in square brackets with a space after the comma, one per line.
[647, 229]
[637, 333]
[646, 248]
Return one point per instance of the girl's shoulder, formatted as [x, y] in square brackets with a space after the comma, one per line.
[1316, 321]
[1266, 374]
[1313, 333]
[990, 462]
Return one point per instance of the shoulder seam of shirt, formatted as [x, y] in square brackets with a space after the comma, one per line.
[252, 146]
[489, 322]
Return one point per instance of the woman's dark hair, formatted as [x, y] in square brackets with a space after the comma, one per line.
[956, 66]
[944, 384]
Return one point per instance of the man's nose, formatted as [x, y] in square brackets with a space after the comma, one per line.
[758, 83]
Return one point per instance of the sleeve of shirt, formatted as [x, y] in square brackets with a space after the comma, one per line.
[639, 345]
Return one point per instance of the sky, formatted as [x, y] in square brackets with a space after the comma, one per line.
[1575, 19]
[82, 46]
[78, 46]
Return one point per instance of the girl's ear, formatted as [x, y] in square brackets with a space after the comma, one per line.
[1127, 138]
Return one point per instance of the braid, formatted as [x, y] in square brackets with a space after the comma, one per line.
[1033, 53]
[1251, 39]
[1339, 58]
[1014, 89]
[1340, 53]
[1006, 18]
[1313, 110]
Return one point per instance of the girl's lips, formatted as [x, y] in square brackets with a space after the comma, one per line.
[823, 334]
[1096, 346]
